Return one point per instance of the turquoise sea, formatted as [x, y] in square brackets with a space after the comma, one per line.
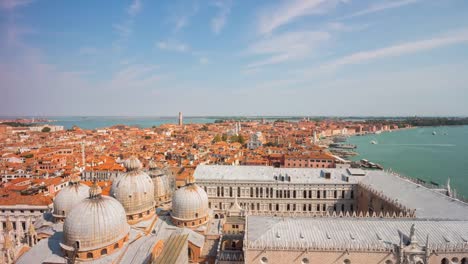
[419, 154]
[104, 121]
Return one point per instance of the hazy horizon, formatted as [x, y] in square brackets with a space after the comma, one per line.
[234, 58]
[227, 116]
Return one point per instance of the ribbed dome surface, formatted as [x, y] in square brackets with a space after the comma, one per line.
[134, 190]
[160, 182]
[68, 197]
[95, 223]
[190, 202]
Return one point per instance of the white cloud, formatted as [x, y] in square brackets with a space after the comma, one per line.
[204, 60]
[13, 4]
[182, 18]
[125, 29]
[399, 49]
[173, 45]
[279, 15]
[287, 46]
[134, 8]
[341, 27]
[218, 22]
[134, 75]
[381, 7]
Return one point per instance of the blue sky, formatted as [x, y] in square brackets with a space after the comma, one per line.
[315, 57]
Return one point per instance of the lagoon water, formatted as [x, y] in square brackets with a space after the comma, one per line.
[103, 121]
[419, 154]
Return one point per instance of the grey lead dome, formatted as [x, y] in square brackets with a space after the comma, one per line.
[94, 223]
[189, 202]
[68, 197]
[134, 189]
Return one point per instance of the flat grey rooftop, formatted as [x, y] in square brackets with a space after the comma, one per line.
[428, 203]
[268, 174]
[301, 233]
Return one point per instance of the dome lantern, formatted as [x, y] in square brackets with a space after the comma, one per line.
[190, 206]
[132, 164]
[95, 191]
[68, 197]
[135, 191]
[95, 227]
[162, 189]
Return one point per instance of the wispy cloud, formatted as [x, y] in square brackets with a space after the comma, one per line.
[381, 7]
[173, 45]
[286, 47]
[135, 75]
[204, 60]
[341, 27]
[182, 18]
[134, 8]
[13, 4]
[218, 22]
[399, 49]
[125, 29]
[279, 15]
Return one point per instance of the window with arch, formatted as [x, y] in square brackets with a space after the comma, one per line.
[89, 255]
[104, 251]
[264, 260]
[464, 261]
[305, 261]
[190, 253]
[116, 246]
[455, 260]
[445, 261]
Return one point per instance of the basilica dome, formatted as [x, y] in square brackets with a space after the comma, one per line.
[190, 206]
[135, 191]
[162, 190]
[68, 197]
[95, 226]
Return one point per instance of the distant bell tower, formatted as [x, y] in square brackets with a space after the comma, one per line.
[181, 119]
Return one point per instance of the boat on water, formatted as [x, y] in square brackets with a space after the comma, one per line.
[339, 139]
[342, 146]
[373, 142]
[378, 132]
[434, 133]
[370, 165]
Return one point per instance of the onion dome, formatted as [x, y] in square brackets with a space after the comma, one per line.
[135, 191]
[161, 184]
[68, 197]
[95, 226]
[190, 206]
